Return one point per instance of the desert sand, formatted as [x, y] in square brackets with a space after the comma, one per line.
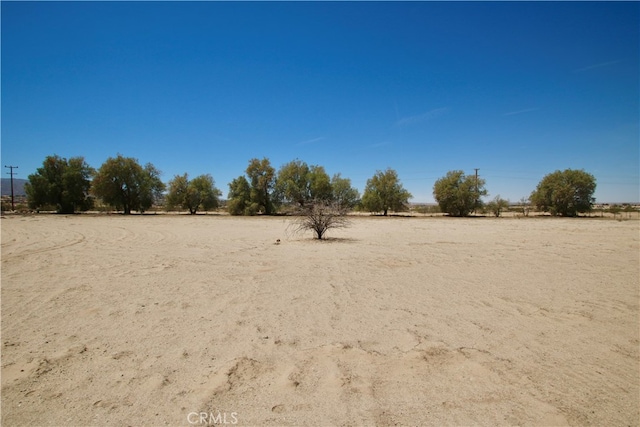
[186, 320]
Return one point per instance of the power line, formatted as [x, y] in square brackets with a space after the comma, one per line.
[476, 204]
[11, 172]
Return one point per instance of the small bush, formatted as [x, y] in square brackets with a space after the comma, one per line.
[320, 217]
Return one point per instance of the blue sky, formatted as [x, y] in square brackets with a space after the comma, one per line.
[515, 89]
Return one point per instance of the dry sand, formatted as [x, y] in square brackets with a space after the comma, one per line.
[150, 320]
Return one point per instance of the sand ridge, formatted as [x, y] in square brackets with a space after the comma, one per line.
[142, 320]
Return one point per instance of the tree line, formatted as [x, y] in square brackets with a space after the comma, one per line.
[71, 185]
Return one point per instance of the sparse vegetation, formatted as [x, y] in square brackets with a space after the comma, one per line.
[628, 209]
[497, 205]
[426, 209]
[524, 206]
[320, 216]
[66, 186]
[615, 210]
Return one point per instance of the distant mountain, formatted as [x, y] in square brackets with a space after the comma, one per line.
[18, 187]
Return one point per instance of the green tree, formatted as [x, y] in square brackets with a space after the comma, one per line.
[565, 193]
[319, 185]
[497, 205]
[239, 202]
[458, 194]
[122, 183]
[62, 183]
[342, 194]
[300, 183]
[262, 177]
[292, 183]
[151, 187]
[199, 193]
[384, 192]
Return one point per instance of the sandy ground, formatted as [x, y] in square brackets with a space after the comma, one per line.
[152, 320]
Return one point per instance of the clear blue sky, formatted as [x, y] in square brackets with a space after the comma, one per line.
[515, 89]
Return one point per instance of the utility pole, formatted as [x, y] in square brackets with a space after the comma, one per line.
[11, 172]
[476, 204]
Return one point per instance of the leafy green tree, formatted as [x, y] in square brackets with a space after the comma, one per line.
[292, 183]
[239, 202]
[458, 194]
[262, 177]
[122, 183]
[565, 193]
[497, 205]
[300, 183]
[151, 187]
[178, 192]
[342, 194]
[319, 185]
[199, 193]
[62, 183]
[384, 192]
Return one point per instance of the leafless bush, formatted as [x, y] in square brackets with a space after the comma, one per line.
[319, 217]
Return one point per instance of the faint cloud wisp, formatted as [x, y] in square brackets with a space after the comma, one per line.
[599, 65]
[527, 110]
[431, 114]
[310, 141]
[380, 144]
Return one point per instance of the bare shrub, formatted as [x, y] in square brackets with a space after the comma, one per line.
[319, 217]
